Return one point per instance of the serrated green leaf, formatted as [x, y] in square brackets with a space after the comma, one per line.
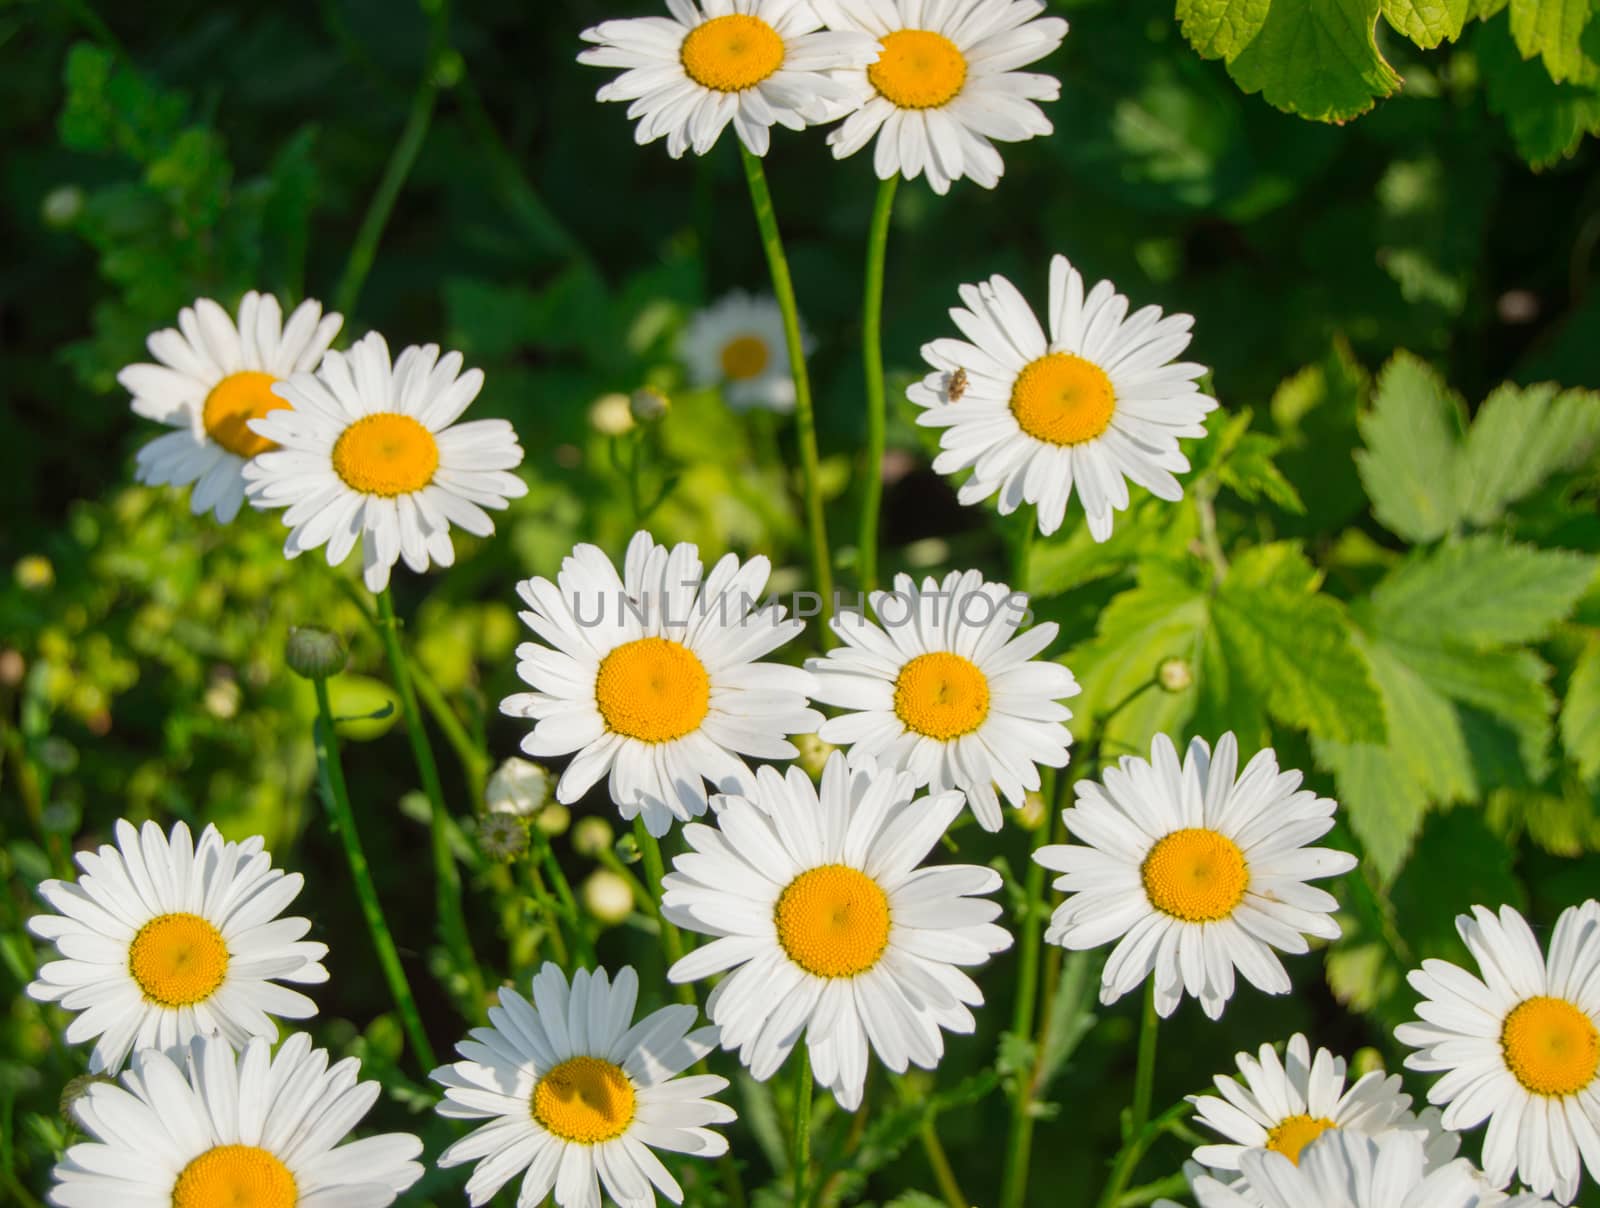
[1384, 805]
[1553, 29]
[1519, 438]
[1315, 413]
[1427, 22]
[1317, 58]
[1409, 463]
[1509, 685]
[1580, 713]
[1220, 29]
[1562, 823]
[1547, 120]
[1251, 473]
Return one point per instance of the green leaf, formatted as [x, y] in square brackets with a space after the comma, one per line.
[1509, 685]
[1315, 413]
[1580, 713]
[1317, 58]
[1553, 29]
[1519, 438]
[1251, 474]
[1220, 29]
[1409, 464]
[1427, 22]
[1481, 592]
[1385, 807]
[1547, 120]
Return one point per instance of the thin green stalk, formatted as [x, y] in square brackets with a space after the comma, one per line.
[872, 360]
[1138, 1132]
[541, 895]
[474, 759]
[800, 1156]
[330, 774]
[447, 877]
[1019, 1149]
[569, 904]
[365, 248]
[654, 871]
[20, 1195]
[939, 1161]
[804, 415]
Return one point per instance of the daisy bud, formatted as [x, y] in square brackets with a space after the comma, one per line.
[553, 820]
[518, 787]
[315, 653]
[1174, 675]
[502, 836]
[647, 405]
[611, 415]
[592, 836]
[627, 850]
[813, 753]
[607, 896]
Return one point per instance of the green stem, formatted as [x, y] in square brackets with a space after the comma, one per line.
[1139, 1132]
[872, 360]
[474, 759]
[365, 248]
[20, 1195]
[1015, 1180]
[804, 415]
[569, 904]
[330, 773]
[800, 1158]
[654, 871]
[447, 877]
[939, 1161]
[541, 895]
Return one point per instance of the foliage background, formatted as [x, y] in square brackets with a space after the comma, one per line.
[1400, 593]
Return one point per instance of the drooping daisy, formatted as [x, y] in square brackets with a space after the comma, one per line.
[1097, 401]
[577, 1095]
[1286, 1104]
[214, 377]
[944, 87]
[829, 926]
[738, 343]
[943, 687]
[754, 63]
[1519, 1045]
[163, 938]
[1198, 874]
[652, 677]
[219, 1130]
[372, 451]
[1351, 1170]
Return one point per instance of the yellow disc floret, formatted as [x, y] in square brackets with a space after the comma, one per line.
[1196, 875]
[941, 696]
[918, 69]
[178, 959]
[1293, 1134]
[731, 53]
[743, 358]
[1063, 399]
[585, 1100]
[235, 1176]
[386, 454]
[1551, 1046]
[653, 689]
[232, 403]
[833, 921]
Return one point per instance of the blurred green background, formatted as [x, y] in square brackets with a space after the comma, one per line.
[160, 152]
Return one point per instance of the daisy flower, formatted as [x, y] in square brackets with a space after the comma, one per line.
[754, 63]
[1351, 1170]
[828, 925]
[944, 687]
[215, 376]
[219, 1129]
[1199, 874]
[1519, 1045]
[578, 1095]
[944, 87]
[738, 343]
[372, 451]
[1098, 402]
[163, 938]
[1284, 1105]
[651, 677]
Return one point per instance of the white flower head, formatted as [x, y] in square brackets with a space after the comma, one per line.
[163, 939]
[371, 452]
[576, 1095]
[1195, 873]
[945, 86]
[945, 687]
[832, 929]
[214, 1128]
[752, 63]
[1518, 1045]
[1093, 403]
[738, 343]
[651, 677]
[215, 375]
[519, 787]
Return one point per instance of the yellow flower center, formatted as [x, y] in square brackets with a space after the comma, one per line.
[732, 53]
[235, 1176]
[1195, 875]
[585, 1100]
[833, 921]
[941, 696]
[232, 403]
[653, 689]
[1295, 1133]
[386, 454]
[1063, 399]
[918, 69]
[1551, 1046]
[743, 358]
[178, 959]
